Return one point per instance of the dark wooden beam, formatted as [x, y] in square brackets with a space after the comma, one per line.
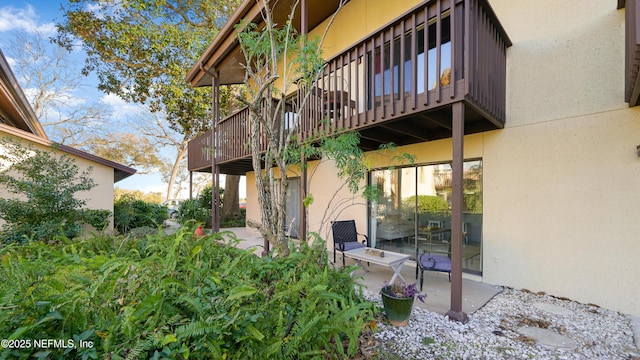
[436, 121]
[215, 186]
[304, 178]
[304, 18]
[456, 313]
[379, 135]
[408, 130]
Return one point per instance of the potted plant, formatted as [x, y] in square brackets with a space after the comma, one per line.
[397, 300]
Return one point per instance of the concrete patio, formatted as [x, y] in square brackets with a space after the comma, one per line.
[436, 285]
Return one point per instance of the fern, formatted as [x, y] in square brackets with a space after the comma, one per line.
[199, 328]
[142, 345]
[215, 300]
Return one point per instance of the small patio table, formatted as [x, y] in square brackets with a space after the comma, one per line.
[393, 260]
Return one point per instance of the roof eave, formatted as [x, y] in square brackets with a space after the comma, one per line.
[27, 118]
[120, 171]
[206, 62]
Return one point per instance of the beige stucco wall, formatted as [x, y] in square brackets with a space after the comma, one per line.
[357, 19]
[561, 180]
[560, 208]
[100, 197]
[561, 195]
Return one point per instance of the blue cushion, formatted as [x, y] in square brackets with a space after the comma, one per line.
[435, 262]
[352, 245]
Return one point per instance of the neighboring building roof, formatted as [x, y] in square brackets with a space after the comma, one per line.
[14, 107]
[17, 118]
[120, 171]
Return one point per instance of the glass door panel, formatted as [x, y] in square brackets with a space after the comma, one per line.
[403, 222]
[392, 218]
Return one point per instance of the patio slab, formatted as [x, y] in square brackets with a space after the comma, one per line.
[436, 285]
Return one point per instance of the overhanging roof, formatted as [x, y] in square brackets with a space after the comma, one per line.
[224, 55]
[120, 171]
[14, 107]
[18, 119]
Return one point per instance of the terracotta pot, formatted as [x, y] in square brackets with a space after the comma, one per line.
[398, 310]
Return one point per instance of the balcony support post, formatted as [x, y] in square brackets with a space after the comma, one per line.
[303, 195]
[457, 203]
[215, 186]
[304, 17]
[190, 185]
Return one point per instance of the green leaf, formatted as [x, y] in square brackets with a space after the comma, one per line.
[255, 333]
[241, 291]
[308, 201]
[167, 339]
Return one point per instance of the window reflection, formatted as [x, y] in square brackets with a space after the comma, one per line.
[415, 202]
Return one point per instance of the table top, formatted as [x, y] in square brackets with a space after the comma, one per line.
[390, 257]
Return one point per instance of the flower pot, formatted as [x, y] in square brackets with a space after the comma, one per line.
[398, 309]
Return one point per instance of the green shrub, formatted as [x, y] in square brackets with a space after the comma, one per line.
[99, 219]
[130, 212]
[194, 211]
[199, 210]
[45, 185]
[206, 196]
[427, 204]
[236, 221]
[142, 232]
[173, 296]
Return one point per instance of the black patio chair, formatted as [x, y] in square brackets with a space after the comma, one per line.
[433, 262]
[345, 237]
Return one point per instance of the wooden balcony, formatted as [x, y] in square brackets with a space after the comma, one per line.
[397, 85]
[233, 139]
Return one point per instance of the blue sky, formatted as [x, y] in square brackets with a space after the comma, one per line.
[41, 16]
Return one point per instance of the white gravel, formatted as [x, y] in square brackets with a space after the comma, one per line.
[491, 332]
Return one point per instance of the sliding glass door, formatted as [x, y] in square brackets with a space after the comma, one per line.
[413, 211]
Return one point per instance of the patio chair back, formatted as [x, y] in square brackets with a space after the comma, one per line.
[345, 237]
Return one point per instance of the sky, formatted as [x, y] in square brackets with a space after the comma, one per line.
[31, 16]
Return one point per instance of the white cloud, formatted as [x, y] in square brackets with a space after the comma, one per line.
[11, 61]
[121, 108]
[23, 19]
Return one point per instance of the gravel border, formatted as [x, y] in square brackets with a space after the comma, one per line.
[492, 331]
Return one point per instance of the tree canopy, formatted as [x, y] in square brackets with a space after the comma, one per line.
[141, 50]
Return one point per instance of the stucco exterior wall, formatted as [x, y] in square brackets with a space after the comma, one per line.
[560, 208]
[561, 193]
[100, 197]
[356, 20]
[561, 180]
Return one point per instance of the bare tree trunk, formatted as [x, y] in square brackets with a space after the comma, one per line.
[182, 152]
[231, 206]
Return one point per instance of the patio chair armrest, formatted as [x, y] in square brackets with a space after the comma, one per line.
[366, 240]
[430, 260]
[434, 262]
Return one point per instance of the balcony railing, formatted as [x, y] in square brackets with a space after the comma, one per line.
[402, 77]
[233, 139]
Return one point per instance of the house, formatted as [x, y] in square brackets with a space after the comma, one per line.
[18, 121]
[521, 115]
